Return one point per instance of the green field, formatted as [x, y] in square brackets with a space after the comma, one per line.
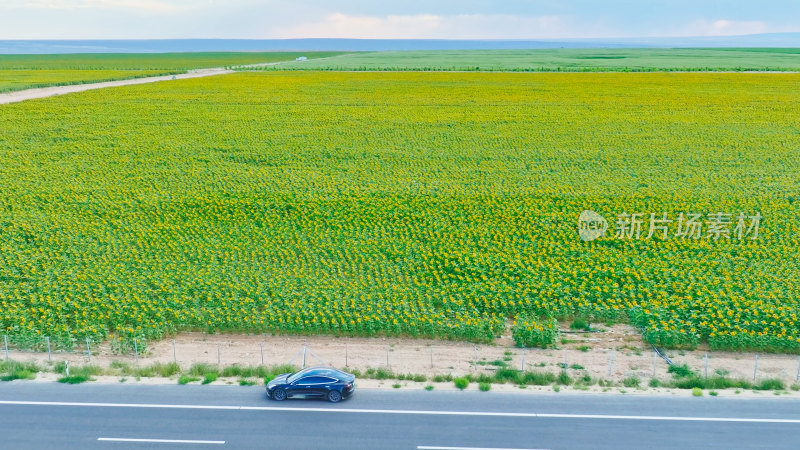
[19, 72]
[149, 61]
[414, 204]
[29, 71]
[570, 60]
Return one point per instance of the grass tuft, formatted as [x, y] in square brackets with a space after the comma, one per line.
[74, 379]
[186, 379]
[210, 377]
[461, 383]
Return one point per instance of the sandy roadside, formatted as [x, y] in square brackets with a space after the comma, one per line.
[615, 354]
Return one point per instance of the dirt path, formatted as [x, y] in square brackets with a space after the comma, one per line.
[30, 94]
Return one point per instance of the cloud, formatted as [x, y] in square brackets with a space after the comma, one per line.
[409, 19]
[428, 26]
[723, 27]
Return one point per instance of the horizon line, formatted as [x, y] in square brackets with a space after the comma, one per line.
[419, 39]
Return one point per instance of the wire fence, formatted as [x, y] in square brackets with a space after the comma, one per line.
[429, 358]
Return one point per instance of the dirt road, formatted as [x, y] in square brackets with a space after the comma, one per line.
[29, 94]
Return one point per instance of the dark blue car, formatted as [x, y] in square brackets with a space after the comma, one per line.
[314, 382]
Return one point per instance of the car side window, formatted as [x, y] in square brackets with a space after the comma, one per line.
[298, 375]
[307, 381]
[304, 381]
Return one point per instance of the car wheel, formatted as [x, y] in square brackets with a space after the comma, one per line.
[279, 395]
[334, 396]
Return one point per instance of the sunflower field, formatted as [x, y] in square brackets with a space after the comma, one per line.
[439, 205]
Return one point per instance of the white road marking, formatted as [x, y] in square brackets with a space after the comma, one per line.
[410, 412]
[161, 441]
[426, 447]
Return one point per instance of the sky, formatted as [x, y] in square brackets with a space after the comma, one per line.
[405, 19]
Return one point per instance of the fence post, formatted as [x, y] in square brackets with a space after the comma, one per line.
[174, 353]
[610, 363]
[655, 359]
[66, 367]
[88, 351]
[522, 366]
[49, 353]
[5, 342]
[261, 346]
[797, 377]
[755, 368]
[705, 365]
[304, 356]
[430, 347]
[136, 350]
[219, 354]
[387, 356]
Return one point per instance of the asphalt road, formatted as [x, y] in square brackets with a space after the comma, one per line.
[53, 416]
